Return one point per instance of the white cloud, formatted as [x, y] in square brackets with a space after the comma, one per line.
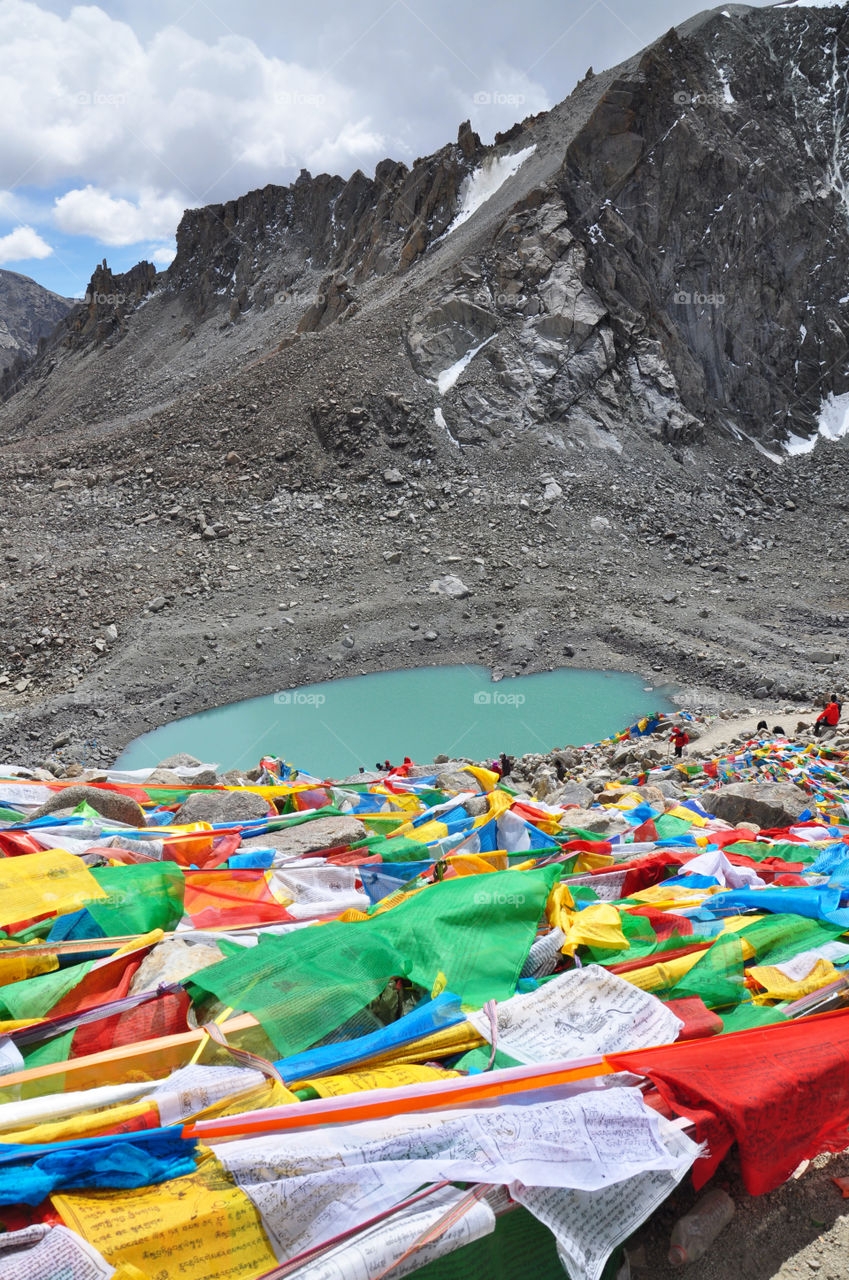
[91, 211]
[161, 256]
[22, 243]
[195, 120]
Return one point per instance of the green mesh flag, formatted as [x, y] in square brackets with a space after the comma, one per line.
[750, 1015]
[717, 976]
[470, 935]
[777, 938]
[757, 851]
[35, 997]
[668, 825]
[48, 1052]
[141, 898]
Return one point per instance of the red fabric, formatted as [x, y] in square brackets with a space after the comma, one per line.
[781, 1091]
[699, 1021]
[354, 858]
[105, 982]
[679, 737]
[14, 843]
[588, 846]
[164, 1015]
[831, 714]
[647, 832]
[227, 898]
[664, 923]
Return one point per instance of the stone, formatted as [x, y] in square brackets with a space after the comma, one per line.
[457, 780]
[320, 833]
[606, 822]
[392, 557]
[769, 804]
[221, 806]
[393, 476]
[164, 778]
[552, 490]
[431, 635]
[172, 960]
[157, 604]
[109, 804]
[182, 760]
[449, 585]
[599, 524]
[574, 793]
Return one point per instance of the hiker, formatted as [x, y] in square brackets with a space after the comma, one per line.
[828, 717]
[762, 727]
[506, 763]
[778, 732]
[679, 739]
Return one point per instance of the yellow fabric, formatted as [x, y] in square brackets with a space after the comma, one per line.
[18, 967]
[487, 778]
[393, 1077]
[201, 1227]
[439, 1044]
[142, 941]
[590, 861]
[52, 882]
[689, 815]
[598, 925]
[474, 864]
[777, 986]
[665, 973]
[82, 1125]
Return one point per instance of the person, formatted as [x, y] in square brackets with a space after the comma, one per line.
[778, 732]
[506, 763]
[495, 767]
[762, 727]
[679, 737]
[828, 717]
[387, 765]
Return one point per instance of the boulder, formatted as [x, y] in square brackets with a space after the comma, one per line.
[606, 822]
[769, 804]
[449, 585]
[222, 806]
[648, 792]
[574, 793]
[307, 837]
[182, 760]
[171, 961]
[110, 804]
[457, 780]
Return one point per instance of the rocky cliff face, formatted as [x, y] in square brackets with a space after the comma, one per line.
[27, 313]
[565, 367]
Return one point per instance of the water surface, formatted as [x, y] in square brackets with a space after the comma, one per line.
[332, 728]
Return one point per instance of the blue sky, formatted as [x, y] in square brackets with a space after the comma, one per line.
[116, 117]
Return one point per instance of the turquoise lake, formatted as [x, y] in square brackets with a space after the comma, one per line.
[332, 728]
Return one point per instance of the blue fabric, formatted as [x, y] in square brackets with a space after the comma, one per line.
[255, 858]
[830, 858]
[812, 902]
[693, 881]
[641, 813]
[379, 881]
[75, 926]
[28, 1174]
[433, 1015]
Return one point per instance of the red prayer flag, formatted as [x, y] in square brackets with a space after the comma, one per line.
[781, 1091]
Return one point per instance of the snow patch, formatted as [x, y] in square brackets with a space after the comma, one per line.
[479, 186]
[832, 424]
[439, 419]
[726, 88]
[445, 380]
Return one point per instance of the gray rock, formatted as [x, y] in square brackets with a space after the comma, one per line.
[182, 760]
[449, 585]
[457, 780]
[769, 804]
[110, 804]
[157, 604]
[222, 806]
[164, 778]
[574, 793]
[320, 833]
[393, 476]
[171, 961]
[599, 821]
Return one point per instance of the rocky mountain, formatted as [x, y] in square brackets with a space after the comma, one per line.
[582, 369]
[27, 313]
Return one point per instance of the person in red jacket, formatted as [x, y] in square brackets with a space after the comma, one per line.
[828, 717]
[679, 739]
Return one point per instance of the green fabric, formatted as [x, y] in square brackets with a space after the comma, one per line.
[578, 833]
[667, 825]
[143, 897]
[394, 848]
[35, 997]
[777, 938]
[757, 851]
[519, 1247]
[11, 815]
[750, 1015]
[717, 976]
[50, 1051]
[476, 1060]
[470, 935]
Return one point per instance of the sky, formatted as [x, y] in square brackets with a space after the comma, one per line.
[114, 118]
